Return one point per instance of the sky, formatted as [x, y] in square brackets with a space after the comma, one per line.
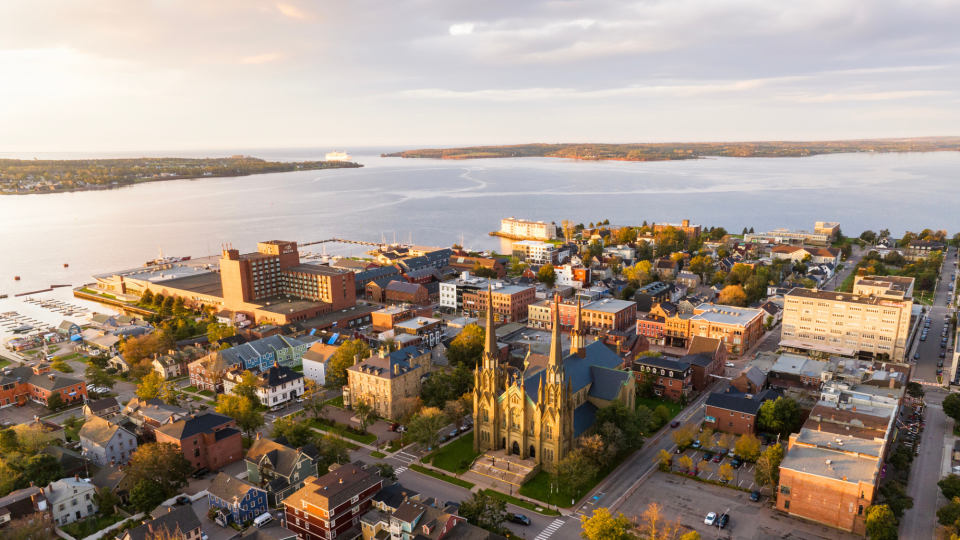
[89, 75]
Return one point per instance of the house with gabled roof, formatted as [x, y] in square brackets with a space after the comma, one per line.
[115, 480]
[175, 524]
[105, 408]
[235, 500]
[278, 468]
[104, 442]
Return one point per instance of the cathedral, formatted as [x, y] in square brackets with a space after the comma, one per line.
[540, 412]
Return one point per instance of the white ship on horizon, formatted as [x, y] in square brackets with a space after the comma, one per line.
[338, 156]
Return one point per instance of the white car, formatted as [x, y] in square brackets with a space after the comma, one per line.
[710, 519]
[276, 407]
[300, 399]
[731, 364]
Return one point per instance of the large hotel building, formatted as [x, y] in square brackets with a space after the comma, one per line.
[533, 230]
[269, 284]
[872, 320]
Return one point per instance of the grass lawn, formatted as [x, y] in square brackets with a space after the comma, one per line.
[84, 528]
[206, 393]
[378, 455]
[70, 356]
[441, 476]
[365, 439]
[539, 486]
[653, 403]
[336, 402]
[453, 456]
[522, 504]
[4, 363]
[190, 389]
[298, 369]
[95, 293]
[72, 433]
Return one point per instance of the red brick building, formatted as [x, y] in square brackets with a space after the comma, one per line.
[509, 303]
[671, 378]
[650, 326]
[469, 264]
[39, 383]
[208, 372]
[708, 357]
[735, 413]
[409, 293]
[605, 314]
[330, 505]
[208, 440]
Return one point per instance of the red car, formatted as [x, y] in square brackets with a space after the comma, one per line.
[674, 424]
[718, 458]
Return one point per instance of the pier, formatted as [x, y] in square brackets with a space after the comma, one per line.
[345, 241]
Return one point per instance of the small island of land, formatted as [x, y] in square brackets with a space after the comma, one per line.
[21, 176]
[677, 151]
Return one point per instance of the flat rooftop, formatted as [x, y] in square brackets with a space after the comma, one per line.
[839, 297]
[609, 305]
[157, 273]
[207, 283]
[416, 322]
[846, 443]
[842, 466]
[282, 304]
[726, 314]
[318, 270]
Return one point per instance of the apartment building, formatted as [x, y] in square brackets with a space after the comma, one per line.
[534, 230]
[535, 252]
[509, 302]
[428, 330]
[603, 314]
[738, 328]
[692, 231]
[823, 323]
[275, 386]
[821, 237]
[573, 275]
[332, 504]
[385, 380]
[452, 291]
[671, 378]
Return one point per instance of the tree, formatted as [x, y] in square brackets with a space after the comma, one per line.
[151, 386]
[748, 447]
[55, 402]
[314, 399]
[779, 416]
[42, 469]
[106, 501]
[162, 464]
[595, 249]
[574, 471]
[951, 406]
[61, 366]
[467, 347]
[32, 437]
[701, 265]
[665, 458]
[630, 422]
[342, 359]
[724, 440]
[485, 511]
[297, 433]
[604, 526]
[247, 387]
[547, 274]
[8, 441]
[683, 436]
[442, 387]
[653, 525]
[725, 472]
[243, 411]
[385, 470]
[706, 438]
[218, 331]
[895, 496]
[718, 233]
[97, 376]
[147, 495]
[950, 486]
[733, 295]
[332, 449]
[425, 427]
[147, 297]
[767, 471]
[901, 458]
[881, 523]
[685, 462]
[364, 413]
[458, 409]
[694, 535]
[36, 526]
[949, 515]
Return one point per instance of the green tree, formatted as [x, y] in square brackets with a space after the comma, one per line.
[442, 386]
[365, 413]
[950, 486]
[595, 249]
[547, 274]
[630, 423]
[247, 387]
[485, 511]
[767, 472]
[106, 501]
[61, 366]
[779, 416]
[951, 406]
[147, 495]
[881, 523]
[661, 415]
[604, 526]
[244, 411]
[218, 331]
[425, 428]
[901, 458]
[151, 386]
[55, 402]
[161, 464]
[297, 433]
[949, 515]
[42, 469]
[97, 376]
[467, 347]
[895, 496]
[8, 441]
[146, 298]
[343, 358]
[314, 400]
[575, 471]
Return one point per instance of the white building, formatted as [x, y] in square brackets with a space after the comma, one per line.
[573, 275]
[535, 252]
[315, 362]
[535, 230]
[276, 385]
[452, 291]
[71, 499]
[338, 156]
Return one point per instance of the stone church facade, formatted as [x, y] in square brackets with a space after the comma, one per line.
[540, 412]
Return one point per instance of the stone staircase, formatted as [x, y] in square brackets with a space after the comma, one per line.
[503, 468]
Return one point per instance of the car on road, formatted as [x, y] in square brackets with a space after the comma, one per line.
[183, 499]
[717, 458]
[755, 496]
[730, 364]
[300, 399]
[674, 424]
[204, 536]
[710, 519]
[200, 473]
[520, 519]
[916, 356]
[736, 463]
[724, 519]
[465, 428]
[276, 408]
[454, 433]
[923, 337]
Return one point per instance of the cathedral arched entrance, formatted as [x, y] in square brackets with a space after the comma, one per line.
[533, 452]
[504, 443]
[516, 448]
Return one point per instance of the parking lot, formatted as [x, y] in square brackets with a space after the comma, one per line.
[708, 470]
[689, 501]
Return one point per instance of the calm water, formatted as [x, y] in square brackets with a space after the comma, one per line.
[438, 202]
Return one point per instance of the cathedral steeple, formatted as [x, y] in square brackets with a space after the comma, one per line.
[556, 346]
[491, 355]
[578, 344]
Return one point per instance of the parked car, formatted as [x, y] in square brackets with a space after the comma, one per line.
[710, 519]
[736, 463]
[724, 519]
[707, 456]
[755, 496]
[717, 458]
[520, 519]
[183, 499]
[730, 364]
[300, 399]
[695, 444]
[393, 427]
[916, 356]
[200, 473]
[276, 408]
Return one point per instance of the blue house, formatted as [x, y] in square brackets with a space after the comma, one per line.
[236, 501]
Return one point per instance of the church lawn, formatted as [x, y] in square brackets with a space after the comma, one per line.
[451, 456]
[522, 504]
[653, 403]
[539, 486]
[441, 476]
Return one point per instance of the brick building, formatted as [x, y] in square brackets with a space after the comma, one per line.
[713, 349]
[409, 293]
[738, 328]
[385, 379]
[39, 383]
[604, 314]
[208, 372]
[208, 440]
[692, 231]
[671, 378]
[734, 412]
[470, 264]
[331, 505]
[510, 303]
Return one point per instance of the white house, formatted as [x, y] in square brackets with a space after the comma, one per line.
[276, 385]
[315, 362]
[106, 443]
[71, 499]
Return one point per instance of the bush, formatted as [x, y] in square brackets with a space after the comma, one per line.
[111, 371]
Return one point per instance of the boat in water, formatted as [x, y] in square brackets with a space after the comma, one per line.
[338, 156]
[21, 329]
[166, 260]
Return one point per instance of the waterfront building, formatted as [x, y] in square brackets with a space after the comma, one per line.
[533, 230]
[692, 231]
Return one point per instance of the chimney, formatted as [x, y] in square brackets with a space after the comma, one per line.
[404, 496]
[356, 359]
[854, 408]
[121, 467]
[169, 509]
[892, 382]
[31, 484]
[76, 477]
[396, 369]
[341, 480]
[150, 526]
[258, 435]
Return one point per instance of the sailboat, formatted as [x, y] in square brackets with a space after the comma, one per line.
[166, 260]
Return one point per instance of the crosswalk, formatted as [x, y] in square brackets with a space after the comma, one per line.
[405, 457]
[399, 470]
[551, 528]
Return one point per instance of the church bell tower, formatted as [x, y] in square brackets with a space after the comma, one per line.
[488, 384]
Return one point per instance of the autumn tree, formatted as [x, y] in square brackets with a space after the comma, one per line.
[36, 526]
[685, 463]
[733, 295]
[151, 386]
[297, 433]
[314, 399]
[604, 526]
[654, 525]
[467, 347]
[547, 275]
[243, 410]
[767, 471]
[343, 358]
[162, 464]
[881, 523]
[665, 459]
[485, 511]
[365, 412]
[574, 471]
[425, 428]
[725, 472]
[748, 447]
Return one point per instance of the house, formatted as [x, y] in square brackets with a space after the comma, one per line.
[421, 521]
[115, 480]
[750, 380]
[921, 249]
[71, 499]
[176, 524]
[208, 372]
[72, 462]
[671, 378]
[817, 255]
[105, 408]
[68, 328]
[315, 362]
[773, 311]
[469, 264]
[347, 491]
[208, 440]
[280, 469]
[174, 364]
[23, 502]
[118, 363]
[666, 268]
[236, 501]
[146, 416]
[734, 412]
[650, 295]
[264, 352]
[275, 386]
[106, 443]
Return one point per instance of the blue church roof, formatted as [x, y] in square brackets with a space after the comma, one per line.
[584, 417]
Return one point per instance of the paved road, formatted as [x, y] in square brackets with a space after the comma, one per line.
[919, 523]
[926, 366]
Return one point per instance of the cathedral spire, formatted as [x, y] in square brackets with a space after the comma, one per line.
[490, 353]
[556, 346]
[578, 335]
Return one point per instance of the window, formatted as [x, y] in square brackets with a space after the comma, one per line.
[785, 490]
[786, 505]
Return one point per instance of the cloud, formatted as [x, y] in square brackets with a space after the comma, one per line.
[259, 59]
[462, 29]
[291, 11]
